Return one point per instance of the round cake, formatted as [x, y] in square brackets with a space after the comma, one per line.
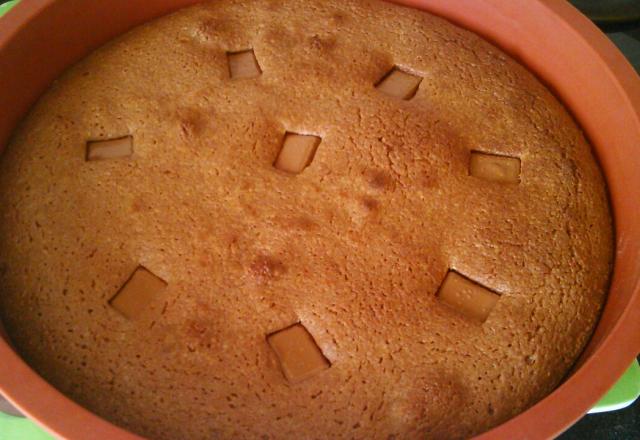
[301, 219]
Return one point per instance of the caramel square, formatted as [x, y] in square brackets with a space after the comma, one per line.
[243, 64]
[137, 293]
[110, 148]
[399, 84]
[299, 355]
[297, 152]
[468, 297]
[494, 167]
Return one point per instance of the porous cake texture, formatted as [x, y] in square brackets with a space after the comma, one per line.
[301, 219]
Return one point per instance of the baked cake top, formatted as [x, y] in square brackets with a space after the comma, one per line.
[275, 219]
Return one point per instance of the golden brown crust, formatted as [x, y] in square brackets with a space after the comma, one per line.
[355, 247]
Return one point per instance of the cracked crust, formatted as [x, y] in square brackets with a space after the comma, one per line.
[355, 247]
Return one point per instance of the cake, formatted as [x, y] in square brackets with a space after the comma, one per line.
[301, 219]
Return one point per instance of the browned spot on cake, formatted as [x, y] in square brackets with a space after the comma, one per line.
[300, 223]
[428, 181]
[247, 185]
[139, 204]
[329, 214]
[305, 223]
[282, 37]
[231, 239]
[205, 260]
[65, 122]
[370, 204]
[195, 328]
[250, 209]
[198, 333]
[434, 398]
[274, 5]
[136, 205]
[380, 180]
[266, 268]
[212, 27]
[203, 307]
[322, 44]
[205, 232]
[192, 122]
[338, 19]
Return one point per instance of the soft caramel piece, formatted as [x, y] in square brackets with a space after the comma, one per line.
[137, 293]
[299, 355]
[297, 152]
[466, 296]
[399, 84]
[494, 167]
[110, 148]
[243, 64]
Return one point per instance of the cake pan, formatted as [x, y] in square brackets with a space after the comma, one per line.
[565, 50]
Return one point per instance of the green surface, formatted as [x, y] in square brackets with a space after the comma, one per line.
[19, 428]
[622, 394]
[6, 6]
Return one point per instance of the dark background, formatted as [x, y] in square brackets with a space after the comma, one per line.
[620, 19]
